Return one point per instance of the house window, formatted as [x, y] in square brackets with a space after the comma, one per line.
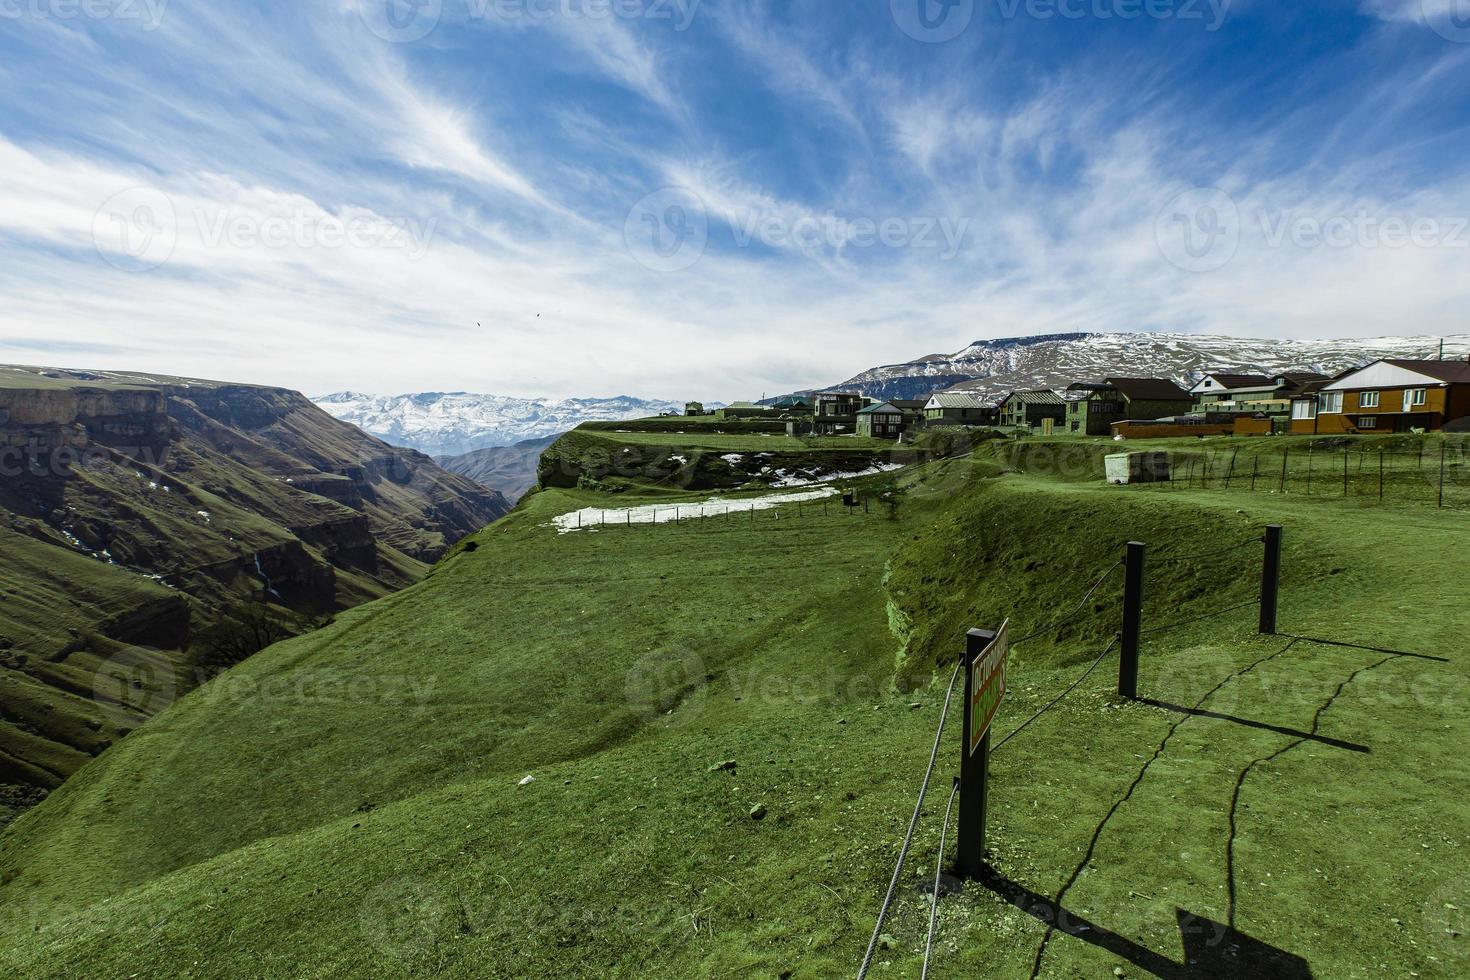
[1304, 410]
[1331, 402]
[1418, 396]
[1367, 422]
[1368, 399]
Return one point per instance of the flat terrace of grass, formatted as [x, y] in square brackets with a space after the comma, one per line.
[750, 442]
[350, 803]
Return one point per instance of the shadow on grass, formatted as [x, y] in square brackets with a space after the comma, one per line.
[1212, 951]
[1249, 723]
[1370, 649]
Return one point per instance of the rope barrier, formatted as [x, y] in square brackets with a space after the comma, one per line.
[1171, 559]
[1199, 619]
[913, 825]
[938, 870]
[1059, 698]
[1070, 614]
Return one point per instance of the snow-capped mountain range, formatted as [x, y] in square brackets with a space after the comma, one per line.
[453, 423]
[994, 367]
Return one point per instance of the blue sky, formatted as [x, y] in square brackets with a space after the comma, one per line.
[714, 199]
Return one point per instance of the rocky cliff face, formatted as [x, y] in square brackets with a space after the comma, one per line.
[170, 502]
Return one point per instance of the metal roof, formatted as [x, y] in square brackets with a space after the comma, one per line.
[1149, 389]
[1039, 397]
[954, 399]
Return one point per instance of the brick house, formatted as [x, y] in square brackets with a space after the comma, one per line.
[1388, 396]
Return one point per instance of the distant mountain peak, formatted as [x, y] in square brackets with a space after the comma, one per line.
[994, 367]
[459, 422]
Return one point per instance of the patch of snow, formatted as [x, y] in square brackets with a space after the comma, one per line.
[798, 481]
[734, 459]
[205, 514]
[592, 517]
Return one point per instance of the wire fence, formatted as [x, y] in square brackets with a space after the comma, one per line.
[1433, 476]
[734, 514]
[1052, 703]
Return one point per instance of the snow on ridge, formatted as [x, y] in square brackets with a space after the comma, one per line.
[1052, 361]
[452, 423]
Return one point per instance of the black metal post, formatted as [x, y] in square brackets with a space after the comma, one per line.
[1271, 580]
[1442, 447]
[974, 772]
[1132, 619]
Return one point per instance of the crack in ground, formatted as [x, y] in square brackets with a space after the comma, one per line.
[1245, 773]
[1142, 772]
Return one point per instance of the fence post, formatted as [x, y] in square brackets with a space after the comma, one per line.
[1255, 472]
[1309, 469]
[1271, 580]
[1285, 460]
[1442, 447]
[1344, 471]
[974, 771]
[1132, 619]
[1380, 474]
[1231, 472]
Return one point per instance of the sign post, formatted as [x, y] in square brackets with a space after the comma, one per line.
[985, 686]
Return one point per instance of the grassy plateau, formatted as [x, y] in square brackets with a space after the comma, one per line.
[726, 723]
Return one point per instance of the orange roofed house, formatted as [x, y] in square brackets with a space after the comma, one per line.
[1388, 396]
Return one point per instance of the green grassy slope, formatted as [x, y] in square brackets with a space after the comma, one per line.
[349, 802]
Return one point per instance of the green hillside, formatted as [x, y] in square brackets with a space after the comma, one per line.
[727, 721]
[165, 528]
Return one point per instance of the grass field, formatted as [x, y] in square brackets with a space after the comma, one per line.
[351, 802]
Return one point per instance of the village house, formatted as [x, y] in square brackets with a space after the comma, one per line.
[1253, 393]
[836, 411]
[1093, 407]
[1387, 396]
[882, 421]
[693, 409]
[958, 408]
[1022, 409]
[792, 405]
